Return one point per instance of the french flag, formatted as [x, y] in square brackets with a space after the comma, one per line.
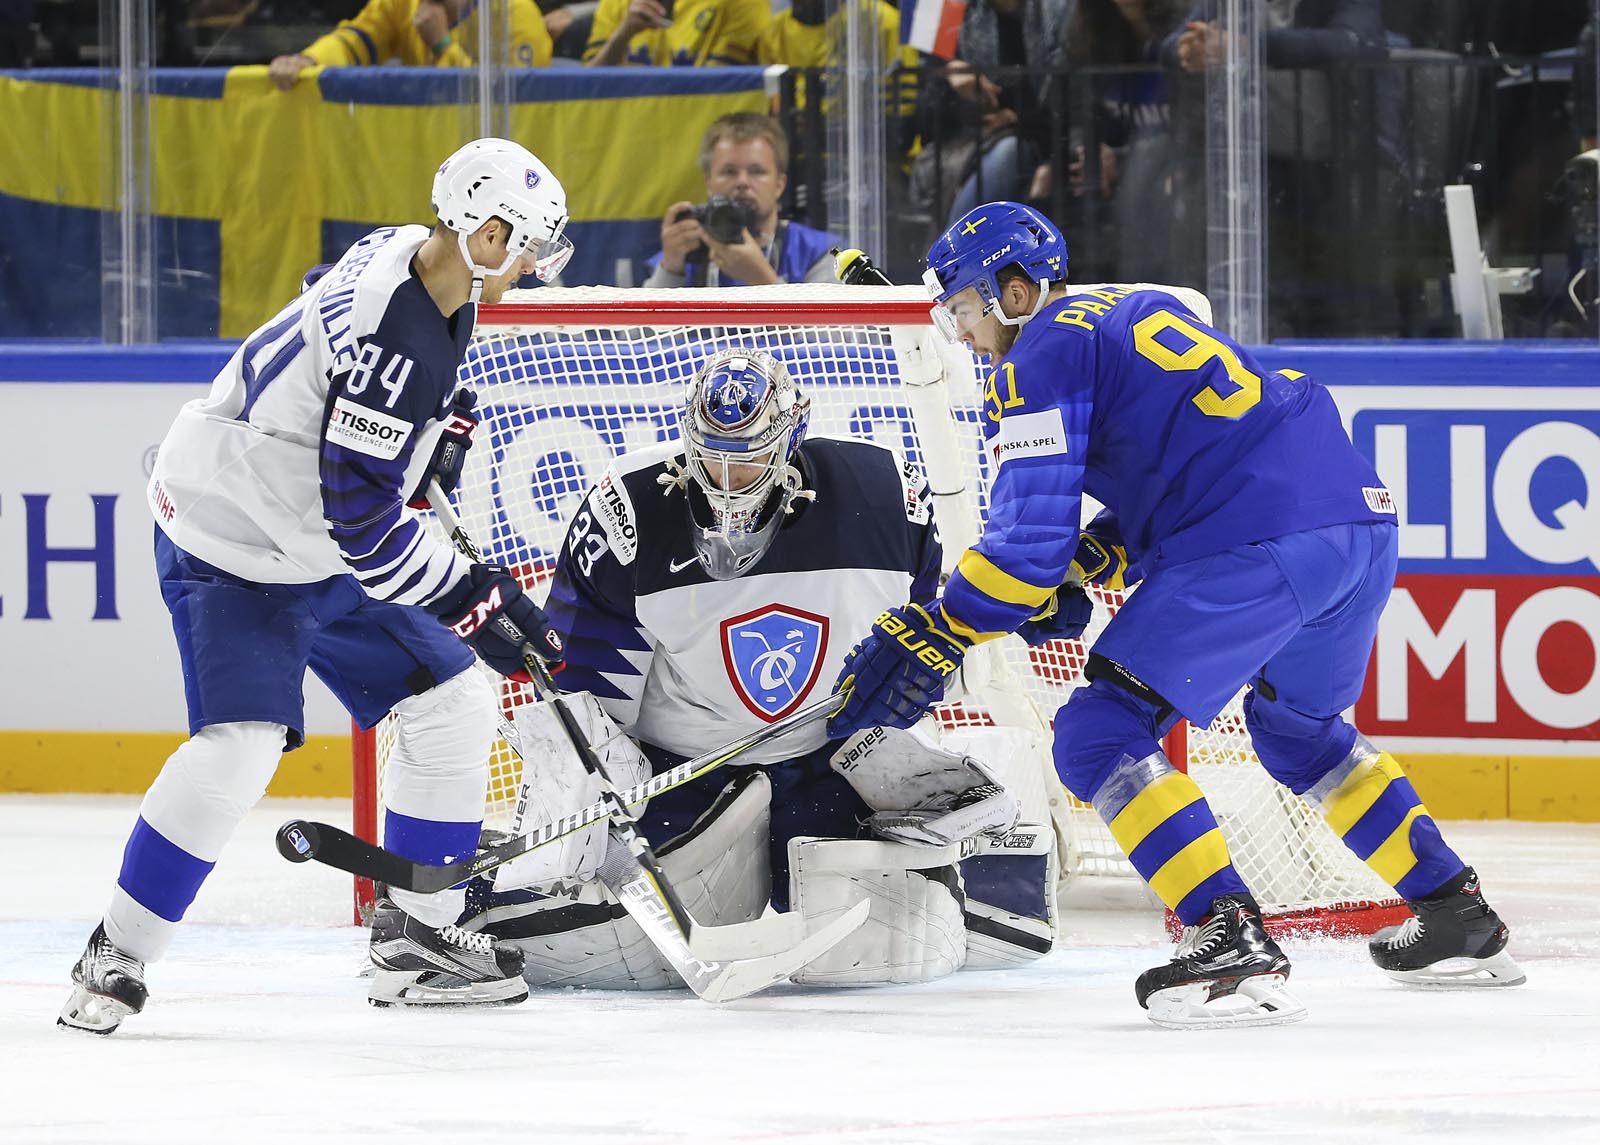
[932, 26]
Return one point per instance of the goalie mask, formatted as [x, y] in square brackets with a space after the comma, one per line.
[742, 426]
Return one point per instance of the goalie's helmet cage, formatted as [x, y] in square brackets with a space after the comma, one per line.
[743, 423]
[970, 255]
[496, 178]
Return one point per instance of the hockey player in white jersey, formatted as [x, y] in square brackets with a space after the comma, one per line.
[284, 541]
[703, 588]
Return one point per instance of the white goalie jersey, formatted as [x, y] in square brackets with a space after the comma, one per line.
[686, 662]
[298, 463]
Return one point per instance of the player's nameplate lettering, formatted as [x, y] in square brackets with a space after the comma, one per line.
[367, 431]
[1040, 434]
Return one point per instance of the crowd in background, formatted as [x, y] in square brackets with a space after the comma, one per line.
[1093, 110]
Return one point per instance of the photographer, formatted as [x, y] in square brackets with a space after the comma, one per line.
[735, 237]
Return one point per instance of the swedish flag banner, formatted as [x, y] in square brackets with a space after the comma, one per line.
[252, 185]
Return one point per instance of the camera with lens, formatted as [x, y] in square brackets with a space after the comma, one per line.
[724, 219]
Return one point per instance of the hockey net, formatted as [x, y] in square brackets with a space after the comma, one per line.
[567, 379]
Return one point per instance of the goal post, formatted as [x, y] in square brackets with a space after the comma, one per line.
[567, 379]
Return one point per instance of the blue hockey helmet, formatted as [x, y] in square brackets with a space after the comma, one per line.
[964, 262]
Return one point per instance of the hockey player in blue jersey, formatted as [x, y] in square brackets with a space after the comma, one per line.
[284, 542]
[1266, 546]
[706, 587]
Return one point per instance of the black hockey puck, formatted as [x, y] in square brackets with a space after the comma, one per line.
[297, 840]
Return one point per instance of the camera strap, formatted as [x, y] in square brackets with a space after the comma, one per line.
[704, 272]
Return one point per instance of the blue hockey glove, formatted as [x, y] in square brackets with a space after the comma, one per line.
[451, 452]
[1064, 617]
[489, 611]
[1100, 562]
[897, 673]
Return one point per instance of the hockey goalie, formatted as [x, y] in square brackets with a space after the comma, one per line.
[705, 587]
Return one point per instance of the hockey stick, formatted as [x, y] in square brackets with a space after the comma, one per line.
[301, 840]
[763, 951]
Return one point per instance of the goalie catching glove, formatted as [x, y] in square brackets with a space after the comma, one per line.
[922, 794]
[897, 673]
[490, 612]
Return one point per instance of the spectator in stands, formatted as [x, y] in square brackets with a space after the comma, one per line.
[1334, 157]
[1117, 44]
[689, 33]
[984, 135]
[420, 33]
[803, 36]
[745, 160]
[569, 25]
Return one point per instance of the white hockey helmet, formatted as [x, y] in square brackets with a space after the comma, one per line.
[743, 423]
[491, 178]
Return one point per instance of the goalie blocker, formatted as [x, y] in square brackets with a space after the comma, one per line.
[932, 910]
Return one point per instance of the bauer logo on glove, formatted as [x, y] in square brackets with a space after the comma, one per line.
[914, 640]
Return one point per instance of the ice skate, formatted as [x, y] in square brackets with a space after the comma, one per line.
[1226, 971]
[416, 965]
[107, 986]
[1453, 941]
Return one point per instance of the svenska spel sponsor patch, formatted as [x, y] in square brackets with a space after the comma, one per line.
[367, 431]
[1039, 434]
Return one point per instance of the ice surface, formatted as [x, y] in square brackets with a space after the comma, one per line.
[257, 1029]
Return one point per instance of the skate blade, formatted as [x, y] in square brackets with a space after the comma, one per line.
[412, 988]
[93, 1013]
[1464, 974]
[1260, 1000]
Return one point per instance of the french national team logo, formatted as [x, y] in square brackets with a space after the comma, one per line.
[773, 656]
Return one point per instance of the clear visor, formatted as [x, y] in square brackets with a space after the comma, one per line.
[550, 256]
[957, 315]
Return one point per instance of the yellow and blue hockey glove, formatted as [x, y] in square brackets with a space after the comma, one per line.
[1100, 562]
[897, 673]
[1064, 617]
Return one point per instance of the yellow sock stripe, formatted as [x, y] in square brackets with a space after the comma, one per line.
[1152, 807]
[1190, 867]
[1394, 857]
[993, 581]
[1366, 783]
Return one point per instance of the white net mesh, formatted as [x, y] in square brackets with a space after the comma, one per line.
[560, 401]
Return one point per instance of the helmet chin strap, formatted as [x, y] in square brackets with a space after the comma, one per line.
[479, 271]
[1024, 319]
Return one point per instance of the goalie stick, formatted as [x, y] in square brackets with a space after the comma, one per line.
[758, 953]
[302, 840]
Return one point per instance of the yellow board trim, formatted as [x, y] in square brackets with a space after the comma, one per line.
[1394, 858]
[127, 762]
[997, 584]
[1152, 807]
[1364, 786]
[1190, 867]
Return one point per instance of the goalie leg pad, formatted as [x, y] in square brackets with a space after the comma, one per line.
[915, 932]
[921, 793]
[583, 937]
[556, 783]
